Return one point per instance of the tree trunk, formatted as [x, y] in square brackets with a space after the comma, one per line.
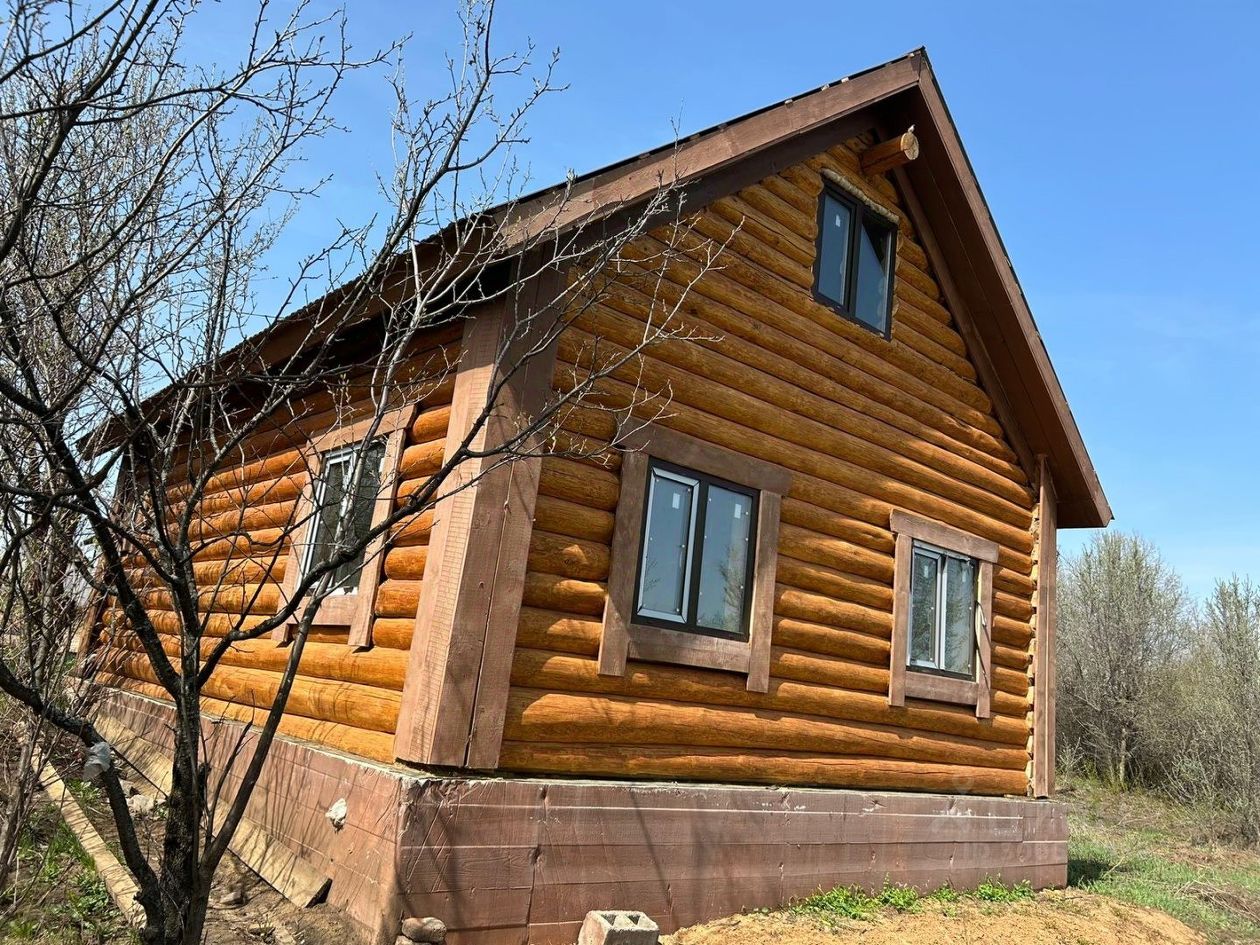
[184, 894]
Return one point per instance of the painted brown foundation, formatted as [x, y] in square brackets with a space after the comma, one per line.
[523, 859]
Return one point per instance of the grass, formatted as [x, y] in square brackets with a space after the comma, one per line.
[852, 903]
[58, 896]
[1141, 849]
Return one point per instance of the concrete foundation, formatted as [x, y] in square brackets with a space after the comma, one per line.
[516, 860]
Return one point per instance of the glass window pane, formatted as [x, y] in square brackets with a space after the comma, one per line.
[724, 560]
[874, 252]
[663, 582]
[335, 475]
[833, 249]
[960, 603]
[923, 592]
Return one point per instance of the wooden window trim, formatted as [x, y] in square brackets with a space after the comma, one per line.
[353, 611]
[623, 638]
[907, 682]
[843, 192]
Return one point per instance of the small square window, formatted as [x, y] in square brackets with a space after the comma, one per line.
[943, 598]
[695, 570]
[854, 260]
[333, 500]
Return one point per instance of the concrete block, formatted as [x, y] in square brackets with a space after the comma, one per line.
[617, 927]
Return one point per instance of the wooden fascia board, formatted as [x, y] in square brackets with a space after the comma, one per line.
[702, 155]
[947, 188]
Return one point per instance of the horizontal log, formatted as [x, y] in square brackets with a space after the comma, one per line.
[398, 598]
[567, 673]
[534, 715]
[243, 521]
[415, 530]
[562, 517]
[264, 543]
[567, 557]
[853, 588]
[830, 641]
[376, 746]
[557, 631]
[818, 608]
[421, 460]
[807, 545]
[406, 563]
[550, 592]
[430, 424]
[763, 767]
[562, 478]
[347, 703]
[381, 668]
[393, 632]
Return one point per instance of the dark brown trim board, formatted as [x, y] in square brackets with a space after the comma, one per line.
[623, 637]
[1043, 639]
[457, 675]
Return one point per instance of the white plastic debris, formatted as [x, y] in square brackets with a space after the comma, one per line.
[337, 813]
[98, 760]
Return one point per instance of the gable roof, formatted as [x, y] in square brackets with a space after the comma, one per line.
[944, 202]
[946, 205]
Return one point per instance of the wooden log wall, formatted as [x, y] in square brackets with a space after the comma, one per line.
[866, 425]
[342, 698]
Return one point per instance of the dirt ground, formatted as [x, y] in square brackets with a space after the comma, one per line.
[244, 909]
[1052, 918]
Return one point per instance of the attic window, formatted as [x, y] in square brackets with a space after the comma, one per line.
[854, 260]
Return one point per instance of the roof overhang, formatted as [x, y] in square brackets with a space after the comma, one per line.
[900, 93]
[988, 300]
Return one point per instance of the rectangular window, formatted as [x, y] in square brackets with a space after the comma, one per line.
[334, 500]
[942, 607]
[695, 570]
[942, 611]
[854, 260]
[694, 551]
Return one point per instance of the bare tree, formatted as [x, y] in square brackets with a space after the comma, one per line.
[1204, 744]
[1123, 619]
[144, 194]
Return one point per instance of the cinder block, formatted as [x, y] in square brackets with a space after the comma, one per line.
[618, 927]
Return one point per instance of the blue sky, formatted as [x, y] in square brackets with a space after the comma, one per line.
[1116, 144]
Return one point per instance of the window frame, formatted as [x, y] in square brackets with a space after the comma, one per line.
[624, 635]
[859, 211]
[352, 610]
[337, 454]
[701, 482]
[937, 667]
[917, 682]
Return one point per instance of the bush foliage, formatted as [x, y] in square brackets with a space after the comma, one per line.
[1154, 689]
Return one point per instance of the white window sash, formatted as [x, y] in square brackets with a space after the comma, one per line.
[694, 485]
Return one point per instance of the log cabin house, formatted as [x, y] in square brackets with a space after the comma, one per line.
[841, 668]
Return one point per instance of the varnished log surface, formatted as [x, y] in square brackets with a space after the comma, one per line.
[867, 426]
[342, 697]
